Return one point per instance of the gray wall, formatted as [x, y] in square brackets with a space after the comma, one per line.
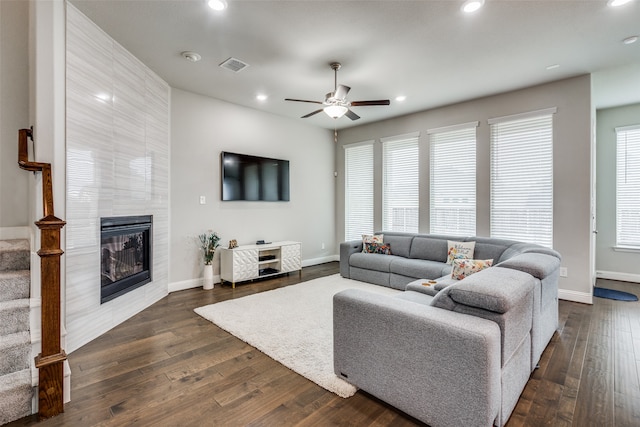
[572, 170]
[14, 111]
[202, 127]
[612, 264]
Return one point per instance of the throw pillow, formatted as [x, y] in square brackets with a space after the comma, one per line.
[460, 250]
[376, 248]
[466, 267]
[369, 238]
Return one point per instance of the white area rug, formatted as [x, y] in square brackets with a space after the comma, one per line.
[293, 325]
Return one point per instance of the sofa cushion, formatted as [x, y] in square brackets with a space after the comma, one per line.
[429, 249]
[400, 245]
[459, 250]
[488, 248]
[462, 268]
[376, 262]
[419, 268]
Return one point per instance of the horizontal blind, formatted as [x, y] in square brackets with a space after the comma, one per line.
[400, 198]
[358, 190]
[453, 182]
[628, 186]
[522, 179]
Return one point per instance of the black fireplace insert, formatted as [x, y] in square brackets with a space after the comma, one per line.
[126, 254]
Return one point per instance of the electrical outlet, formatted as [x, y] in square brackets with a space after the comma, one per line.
[563, 272]
[203, 200]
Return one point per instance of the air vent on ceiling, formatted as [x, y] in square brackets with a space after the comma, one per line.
[235, 65]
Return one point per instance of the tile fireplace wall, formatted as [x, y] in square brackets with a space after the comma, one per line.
[117, 164]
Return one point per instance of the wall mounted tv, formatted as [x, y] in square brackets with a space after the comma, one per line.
[254, 178]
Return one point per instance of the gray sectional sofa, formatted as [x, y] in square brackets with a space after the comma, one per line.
[457, 352]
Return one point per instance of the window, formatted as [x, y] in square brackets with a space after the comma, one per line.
[522, 177]
[453, 180]
[358, 190]
[400, 183]
[628, 186]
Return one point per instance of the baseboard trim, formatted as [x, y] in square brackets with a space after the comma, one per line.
[197, 283]
[321, 260]
[575, 296]
[623, 277]
[190, 284]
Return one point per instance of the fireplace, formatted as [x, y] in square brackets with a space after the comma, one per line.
[126, 255]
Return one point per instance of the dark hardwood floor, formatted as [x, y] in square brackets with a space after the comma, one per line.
[167, 366]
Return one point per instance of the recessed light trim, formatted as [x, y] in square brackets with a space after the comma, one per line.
[471, 6]
[217, 5]
[617, 3]
[191, 56]
[630, 40]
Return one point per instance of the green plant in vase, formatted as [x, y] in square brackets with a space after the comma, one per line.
[208, 243]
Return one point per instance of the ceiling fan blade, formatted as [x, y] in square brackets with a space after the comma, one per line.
[341, 92]
[302, 100]
[352, 115]
[311, 114]
[365, 103]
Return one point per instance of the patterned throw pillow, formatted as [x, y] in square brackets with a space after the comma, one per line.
[368, 238]
[376, 248]
[459, 250]
[466, 267]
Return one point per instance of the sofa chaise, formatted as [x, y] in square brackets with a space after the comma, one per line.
[456, 352]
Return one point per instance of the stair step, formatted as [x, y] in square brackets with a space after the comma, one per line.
[16, 393]
[15, 254]
[15, 284]
[16, 352]
[14, 316]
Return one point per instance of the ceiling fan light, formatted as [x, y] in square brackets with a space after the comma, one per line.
[335, 111]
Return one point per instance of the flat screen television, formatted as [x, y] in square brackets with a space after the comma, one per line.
[254, 178]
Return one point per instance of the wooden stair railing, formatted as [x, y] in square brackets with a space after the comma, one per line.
[50, 361]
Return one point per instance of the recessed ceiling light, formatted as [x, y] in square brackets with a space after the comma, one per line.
[400, 98]
[553, 66]
[261, 97]
[616, 3]
[472, 5]
[217, 5]
[191, 56]
[630, 40]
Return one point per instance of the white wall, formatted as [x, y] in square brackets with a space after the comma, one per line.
[571, 152]
[612, 264]
[14, 111]
[201, 128]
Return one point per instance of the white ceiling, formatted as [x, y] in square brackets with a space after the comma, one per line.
[428, 50]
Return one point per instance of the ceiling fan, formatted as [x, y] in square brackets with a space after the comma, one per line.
[335, 103]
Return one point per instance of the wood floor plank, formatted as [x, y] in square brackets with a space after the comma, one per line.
[167, 366]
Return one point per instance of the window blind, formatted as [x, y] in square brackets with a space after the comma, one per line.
[628, 186]
[358, 190]
[400, 194]
[522, 179]
[453, 181]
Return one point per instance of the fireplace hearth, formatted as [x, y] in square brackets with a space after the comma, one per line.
[125, 249]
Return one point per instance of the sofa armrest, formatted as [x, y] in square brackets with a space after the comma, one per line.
[536, 264]
[346, 250]
[421, 359]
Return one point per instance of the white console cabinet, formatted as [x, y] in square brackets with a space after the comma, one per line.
[250, 262]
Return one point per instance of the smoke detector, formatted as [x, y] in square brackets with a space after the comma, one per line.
[191, 56]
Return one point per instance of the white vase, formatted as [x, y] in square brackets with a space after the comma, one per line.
[208, 277]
